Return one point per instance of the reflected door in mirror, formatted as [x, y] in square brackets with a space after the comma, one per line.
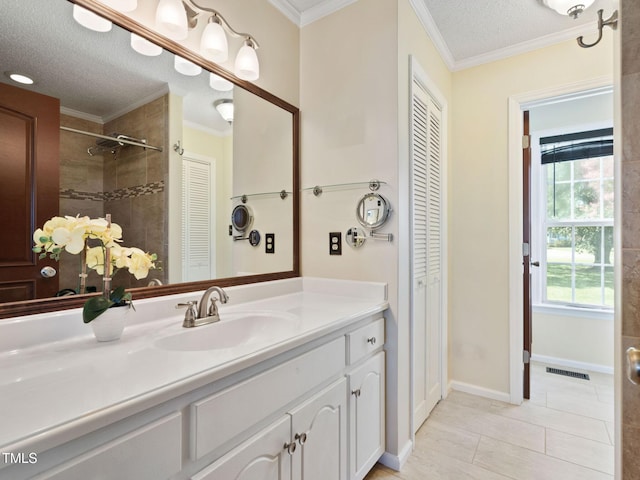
[29, 146]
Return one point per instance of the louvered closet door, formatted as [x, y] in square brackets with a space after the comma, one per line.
[426, 312]
[197, 251]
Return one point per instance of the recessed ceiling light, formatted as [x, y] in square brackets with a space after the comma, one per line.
[19, 78]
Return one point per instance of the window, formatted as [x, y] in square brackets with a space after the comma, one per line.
[576, 212]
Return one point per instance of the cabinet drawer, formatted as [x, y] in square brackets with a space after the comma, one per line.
[151, 452]
[217, 419]
[365, 340]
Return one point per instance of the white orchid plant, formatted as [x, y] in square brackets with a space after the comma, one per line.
[75, 236]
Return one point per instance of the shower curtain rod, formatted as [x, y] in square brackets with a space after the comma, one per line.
[115, 139]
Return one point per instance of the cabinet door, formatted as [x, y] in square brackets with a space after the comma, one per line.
[366, 426]
[319, 426]
[264, 457]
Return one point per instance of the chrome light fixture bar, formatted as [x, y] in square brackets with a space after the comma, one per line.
[174, 18]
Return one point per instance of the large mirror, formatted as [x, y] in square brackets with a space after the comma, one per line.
[146, 144]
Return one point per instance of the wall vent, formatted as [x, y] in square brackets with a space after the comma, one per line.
[567, 373]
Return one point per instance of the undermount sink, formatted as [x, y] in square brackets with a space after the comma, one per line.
[233, 330]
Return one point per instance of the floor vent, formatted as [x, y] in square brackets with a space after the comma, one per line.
[567, 373]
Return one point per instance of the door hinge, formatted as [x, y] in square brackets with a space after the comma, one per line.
[526, 141]
[525, 249]
[526, 356]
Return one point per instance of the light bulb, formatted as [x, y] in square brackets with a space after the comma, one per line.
[144, 46]
[186, 67]
[171, 19]
[218, 83]
[213, 44]
[90, 20]
[247, 66]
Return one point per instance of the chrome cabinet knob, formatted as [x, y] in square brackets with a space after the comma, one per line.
[356, 392]
[290, 447]
[371, 340]
[301, 438]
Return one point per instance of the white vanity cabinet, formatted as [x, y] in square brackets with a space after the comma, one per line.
[312, 409]
[366, 378]
[307, 443]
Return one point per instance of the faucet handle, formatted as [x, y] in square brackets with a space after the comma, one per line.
[212, 311]
[191, 314]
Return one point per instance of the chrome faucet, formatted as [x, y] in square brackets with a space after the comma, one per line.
[206, 311]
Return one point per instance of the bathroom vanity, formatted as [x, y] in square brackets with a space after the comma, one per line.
[289, 384]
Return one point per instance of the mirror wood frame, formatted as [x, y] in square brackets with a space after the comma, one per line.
[13, 309]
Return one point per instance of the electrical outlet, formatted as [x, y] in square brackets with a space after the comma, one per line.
[335, 243]
[269, 243]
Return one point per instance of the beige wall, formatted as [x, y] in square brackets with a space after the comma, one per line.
[479, 208]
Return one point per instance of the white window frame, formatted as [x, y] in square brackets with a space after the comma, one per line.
[538, 233]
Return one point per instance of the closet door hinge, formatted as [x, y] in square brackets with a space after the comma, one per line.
[526, 141]
[526, 356]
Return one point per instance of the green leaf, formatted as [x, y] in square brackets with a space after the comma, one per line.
[94, 307]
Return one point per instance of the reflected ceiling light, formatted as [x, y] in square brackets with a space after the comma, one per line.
[218, 83]
[186, 67]
[90, 20]
[20, 78]
[171, 19]
[121, 5]
[225, 109]
[247, 66]
[573, 8]
[144, 46]
[213, 44]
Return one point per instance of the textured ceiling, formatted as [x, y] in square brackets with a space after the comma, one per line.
[469, 32]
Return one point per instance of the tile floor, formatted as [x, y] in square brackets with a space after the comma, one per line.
[564, 432]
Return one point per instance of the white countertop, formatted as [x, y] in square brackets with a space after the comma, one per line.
[57, 385]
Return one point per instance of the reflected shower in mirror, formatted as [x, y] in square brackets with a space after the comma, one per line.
[149, 145]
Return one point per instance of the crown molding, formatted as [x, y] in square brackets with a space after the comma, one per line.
[433, 32]
[524, 47]
[82, 115]
[456, 65]
[312, 14]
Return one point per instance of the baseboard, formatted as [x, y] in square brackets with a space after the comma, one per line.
[480, 391]
[563, 362]
[396, 462]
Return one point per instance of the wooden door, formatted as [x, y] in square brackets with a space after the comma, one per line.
[526, 254]
[29, 186]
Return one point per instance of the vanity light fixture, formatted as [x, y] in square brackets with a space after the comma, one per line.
[225, 109]
[218, 83]
[144, 46]
[573, 8]
[171, 19]
[174, 19]
[91, 20]
[186, 67]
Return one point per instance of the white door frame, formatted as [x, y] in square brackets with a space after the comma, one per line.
[515, 132]
[418, 74]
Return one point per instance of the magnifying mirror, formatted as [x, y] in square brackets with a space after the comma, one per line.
[241, 218]
[373, 211]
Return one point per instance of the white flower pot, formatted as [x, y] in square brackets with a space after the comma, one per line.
[109, 325]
